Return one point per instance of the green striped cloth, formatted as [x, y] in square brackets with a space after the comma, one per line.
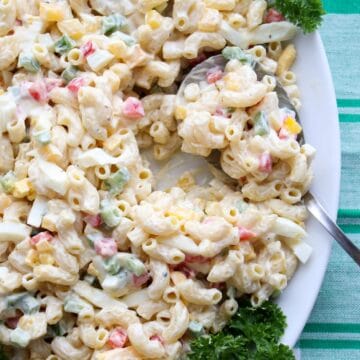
[333, 329]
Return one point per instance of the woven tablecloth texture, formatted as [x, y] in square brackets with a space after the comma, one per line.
[333, 329]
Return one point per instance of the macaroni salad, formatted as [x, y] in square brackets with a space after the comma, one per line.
[95, 263]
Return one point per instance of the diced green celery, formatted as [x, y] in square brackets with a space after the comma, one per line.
[131, 263]
[127, 39]
[63, 45]
[117, 181]
[61, 328]
[28, 305]
[7, 181]
[261, 125]
[116, 282]
[69, 73]
[112, 265]
[111, 216]
[20, 337]
[235, 53]
[93, 235]
[109, 213]
[73, 304]
[43, 137]
[135, 265]
[241, 206]
[113, 22]
[196, 328]
[28, 62]
[11, 300]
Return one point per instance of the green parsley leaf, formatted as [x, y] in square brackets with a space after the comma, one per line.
[263, 324]
[63, 45]
[275, 352]
[252, 334]
[306, 14]
[219, 347]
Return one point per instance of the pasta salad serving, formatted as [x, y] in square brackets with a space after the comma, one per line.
[95, 261]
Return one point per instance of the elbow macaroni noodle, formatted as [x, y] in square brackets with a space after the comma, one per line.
[95, 263]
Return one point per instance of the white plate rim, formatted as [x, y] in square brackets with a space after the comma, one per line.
[298, 312]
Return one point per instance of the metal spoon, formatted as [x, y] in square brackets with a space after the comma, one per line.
[197, 74]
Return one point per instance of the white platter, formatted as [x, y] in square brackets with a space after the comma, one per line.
[319, 118]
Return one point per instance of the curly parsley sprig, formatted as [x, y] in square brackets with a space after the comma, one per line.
[252, 334]
[306, 14]
[219, 346]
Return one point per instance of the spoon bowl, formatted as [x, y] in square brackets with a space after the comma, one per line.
[197, 74]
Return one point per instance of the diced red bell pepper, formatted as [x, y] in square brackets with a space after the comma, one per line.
[118, 338]
[188, 272]
[213, 75]
[220, 111]
[265, 162]
[133, 108]
[93, 220]
[75, 84]
[88, 48]
[12, 322]
[245, 234]
[106, 247]
[44, 235]
[284, 134]
[273, 16]
[157, 338]
[139, 281]
[38, 91]
[198, 259]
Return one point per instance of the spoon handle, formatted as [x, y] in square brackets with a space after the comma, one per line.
[330, 226]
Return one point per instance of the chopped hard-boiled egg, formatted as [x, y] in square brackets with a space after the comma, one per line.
[292, 126]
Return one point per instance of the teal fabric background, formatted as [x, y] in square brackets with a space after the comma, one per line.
[333, 329]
